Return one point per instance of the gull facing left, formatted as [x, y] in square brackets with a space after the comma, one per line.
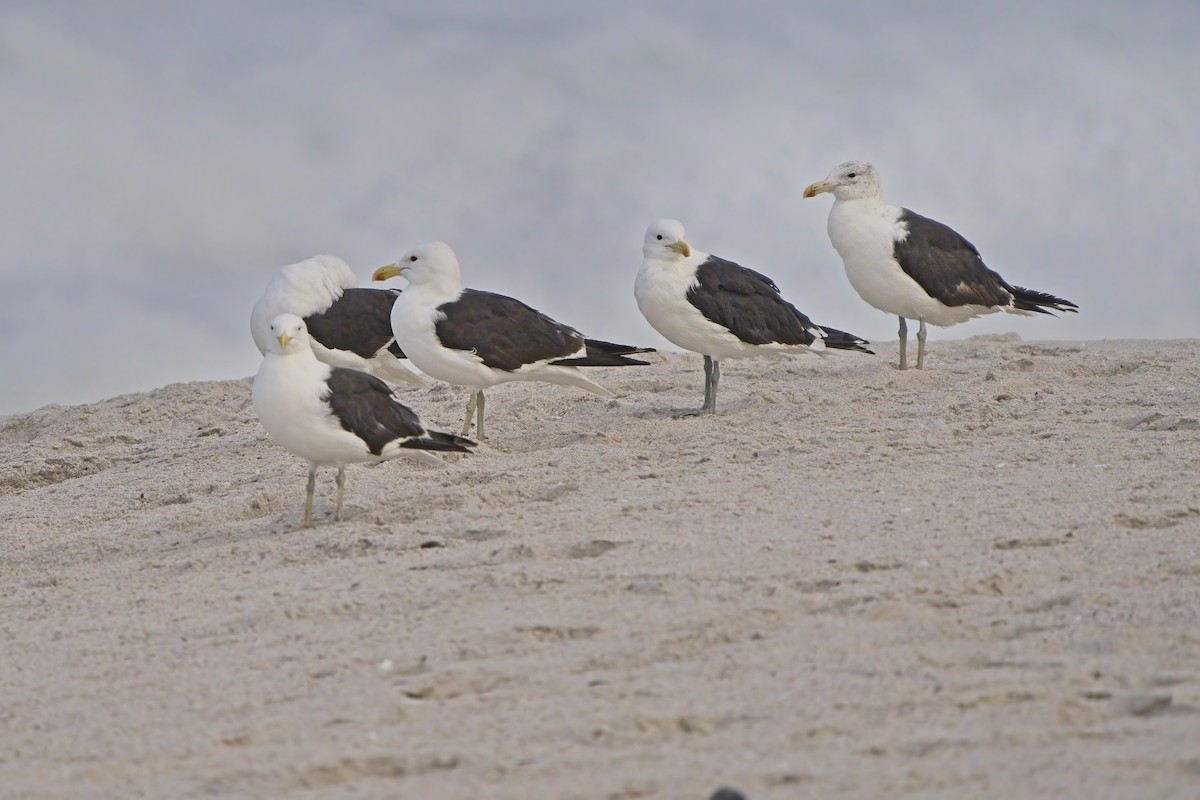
[333, 416]
[912, 266]
[720, 309]
[479, 339]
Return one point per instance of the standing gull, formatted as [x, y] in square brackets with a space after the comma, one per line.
[333, 415]
[720, 309]
[348, 326]
[913, 266]
[478, 339]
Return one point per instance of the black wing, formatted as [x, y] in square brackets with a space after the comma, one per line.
[606, 354]
[359, 321]
[505, 333]
[748, 303]
[436, 440]
[840, 340]
[947, 266]
[367, 408]
[1030, 300]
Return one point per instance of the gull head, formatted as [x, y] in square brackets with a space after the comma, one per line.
[432, 263]
[289, 335]
[853, 180]
[666, 240]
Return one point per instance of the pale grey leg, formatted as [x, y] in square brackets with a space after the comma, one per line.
[921, 345]
[714, 379]
[308, 499]
[903, 343]
[479, 417]
[470, 413]
[341, 484]
[712, 374]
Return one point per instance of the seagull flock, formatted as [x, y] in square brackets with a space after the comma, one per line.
[330, 348]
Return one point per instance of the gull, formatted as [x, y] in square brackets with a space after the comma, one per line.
[912, 266]
[478, 339]
[721, 309]
[332, 415]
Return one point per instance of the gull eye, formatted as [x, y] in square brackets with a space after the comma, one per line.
[660, 237]
[412, 258]
[852, 175]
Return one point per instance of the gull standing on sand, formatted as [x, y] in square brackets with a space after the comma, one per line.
[721, 309]
[333, 415]
[913, 266]
[479, 339]
[348, 326]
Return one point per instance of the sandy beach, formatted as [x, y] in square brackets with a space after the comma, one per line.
[977, 580]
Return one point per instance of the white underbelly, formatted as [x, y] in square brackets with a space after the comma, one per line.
[299, 421]
[662, 299]
[415, 333]
[865, 246]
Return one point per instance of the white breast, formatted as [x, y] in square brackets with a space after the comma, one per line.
[414, 316]
[287, 397]
[864, 235]
[661, 293]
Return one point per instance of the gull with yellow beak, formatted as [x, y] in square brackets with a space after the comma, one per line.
[720, 309]
[333, 416]
[913, 266]
[479, 339]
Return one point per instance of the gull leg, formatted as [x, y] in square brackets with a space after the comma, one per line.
[308, 498]
[921, 345]
[479, 413]
[708, 386]
[470, 412]
[341, 484]
[711, 405]
[712, 373]
[903, 343]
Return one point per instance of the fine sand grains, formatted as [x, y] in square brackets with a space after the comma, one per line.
[977, 580]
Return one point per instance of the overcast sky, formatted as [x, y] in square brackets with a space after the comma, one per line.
[161, 160]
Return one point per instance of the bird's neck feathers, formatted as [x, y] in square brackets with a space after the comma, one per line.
[855, 210]
[872, 202]
[680, 266]
[299, 359]
[440, 287]
[298, 349]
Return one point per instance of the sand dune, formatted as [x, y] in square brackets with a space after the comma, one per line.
[979, 580]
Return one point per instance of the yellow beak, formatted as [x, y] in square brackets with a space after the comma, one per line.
[681, 248]
[814, 189]
[283, 340]
[390, 271]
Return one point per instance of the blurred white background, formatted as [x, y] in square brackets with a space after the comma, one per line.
[160, 160]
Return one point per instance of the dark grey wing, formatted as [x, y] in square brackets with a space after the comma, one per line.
[1032, 300]
[841, 340]
[606, 354]
[748, 303]
[359, 321]
[436, 440]
[947, 266]
[505, 333]
[366, 407]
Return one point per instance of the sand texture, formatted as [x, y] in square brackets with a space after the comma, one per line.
[977, 580]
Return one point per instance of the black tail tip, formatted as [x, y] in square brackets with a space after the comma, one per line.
[444, 442]
[1043, 303]
[614, 349]
[841, 340]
